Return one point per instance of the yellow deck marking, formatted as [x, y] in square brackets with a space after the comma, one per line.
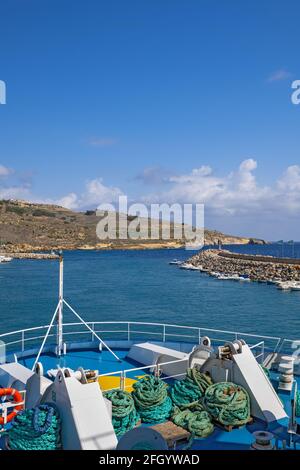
[108, 382]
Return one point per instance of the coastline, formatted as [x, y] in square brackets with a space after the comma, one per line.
[18, 249]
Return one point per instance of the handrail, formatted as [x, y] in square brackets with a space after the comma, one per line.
[149, 324]
[294, 342]
[165, 332]
[136, 369]
[122, 374]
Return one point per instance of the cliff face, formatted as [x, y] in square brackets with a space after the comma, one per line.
[25, 227]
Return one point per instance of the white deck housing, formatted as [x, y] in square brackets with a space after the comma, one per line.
[172, 362]
[14, 375]
[86, 420]
[265, 402]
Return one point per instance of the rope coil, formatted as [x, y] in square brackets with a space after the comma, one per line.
[191, 389]
[228, 403]
[151, 399]
[36, 429]
[194, 419]
[124, 414]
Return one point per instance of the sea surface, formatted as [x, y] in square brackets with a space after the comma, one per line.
[142, 286]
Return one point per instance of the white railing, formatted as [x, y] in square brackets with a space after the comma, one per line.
[260, 356]
[290, 345]
[154, 369]
[30, 338]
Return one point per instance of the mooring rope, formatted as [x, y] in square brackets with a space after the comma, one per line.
[124, 414]
[151, 399]
[36, 429]
[194, 419]
[228, 403]
[188, 391]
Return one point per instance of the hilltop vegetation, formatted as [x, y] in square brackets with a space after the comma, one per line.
[26, 226]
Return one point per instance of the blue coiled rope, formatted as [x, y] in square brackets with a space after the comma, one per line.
[36, 429]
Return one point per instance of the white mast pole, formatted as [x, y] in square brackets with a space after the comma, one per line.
[60, 308]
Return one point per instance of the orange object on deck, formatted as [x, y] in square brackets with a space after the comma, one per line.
[17, 399]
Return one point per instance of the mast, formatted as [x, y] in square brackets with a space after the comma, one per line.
[60, 306]
[58, 317]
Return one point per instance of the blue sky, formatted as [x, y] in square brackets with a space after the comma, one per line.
[105, 98]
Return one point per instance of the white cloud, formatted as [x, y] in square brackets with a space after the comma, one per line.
[196, 173]
[152, 175]
[237, 193]
[247, 181]
[98, 193]
[290, 181]
[70, 201]
[279, 75]
[9, 190]
[234, 198]
[15, 192]
[4, 171]
[95, 193]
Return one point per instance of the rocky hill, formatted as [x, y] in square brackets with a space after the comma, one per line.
[27, 227]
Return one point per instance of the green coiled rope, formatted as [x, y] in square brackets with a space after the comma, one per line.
[124, 414]
[194, 419]
[298, 404]
[188, 391]
[228, 403]
[151, 399]
[36, 429]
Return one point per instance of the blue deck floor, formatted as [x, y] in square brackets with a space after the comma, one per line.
[103, 361]
[237, 439]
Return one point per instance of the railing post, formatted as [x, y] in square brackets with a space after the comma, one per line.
[122, 381]
[277, 348]
[164, 333]
[5, 414]
[23, 341]
[199, 335]
[93, 327]
[128, 331]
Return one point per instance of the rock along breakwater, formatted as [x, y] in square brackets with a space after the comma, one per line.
[30, 255]
[257, 268]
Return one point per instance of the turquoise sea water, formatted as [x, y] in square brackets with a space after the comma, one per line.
[142, 286]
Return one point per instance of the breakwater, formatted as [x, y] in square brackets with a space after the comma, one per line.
[30, 255]
[256, 267]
